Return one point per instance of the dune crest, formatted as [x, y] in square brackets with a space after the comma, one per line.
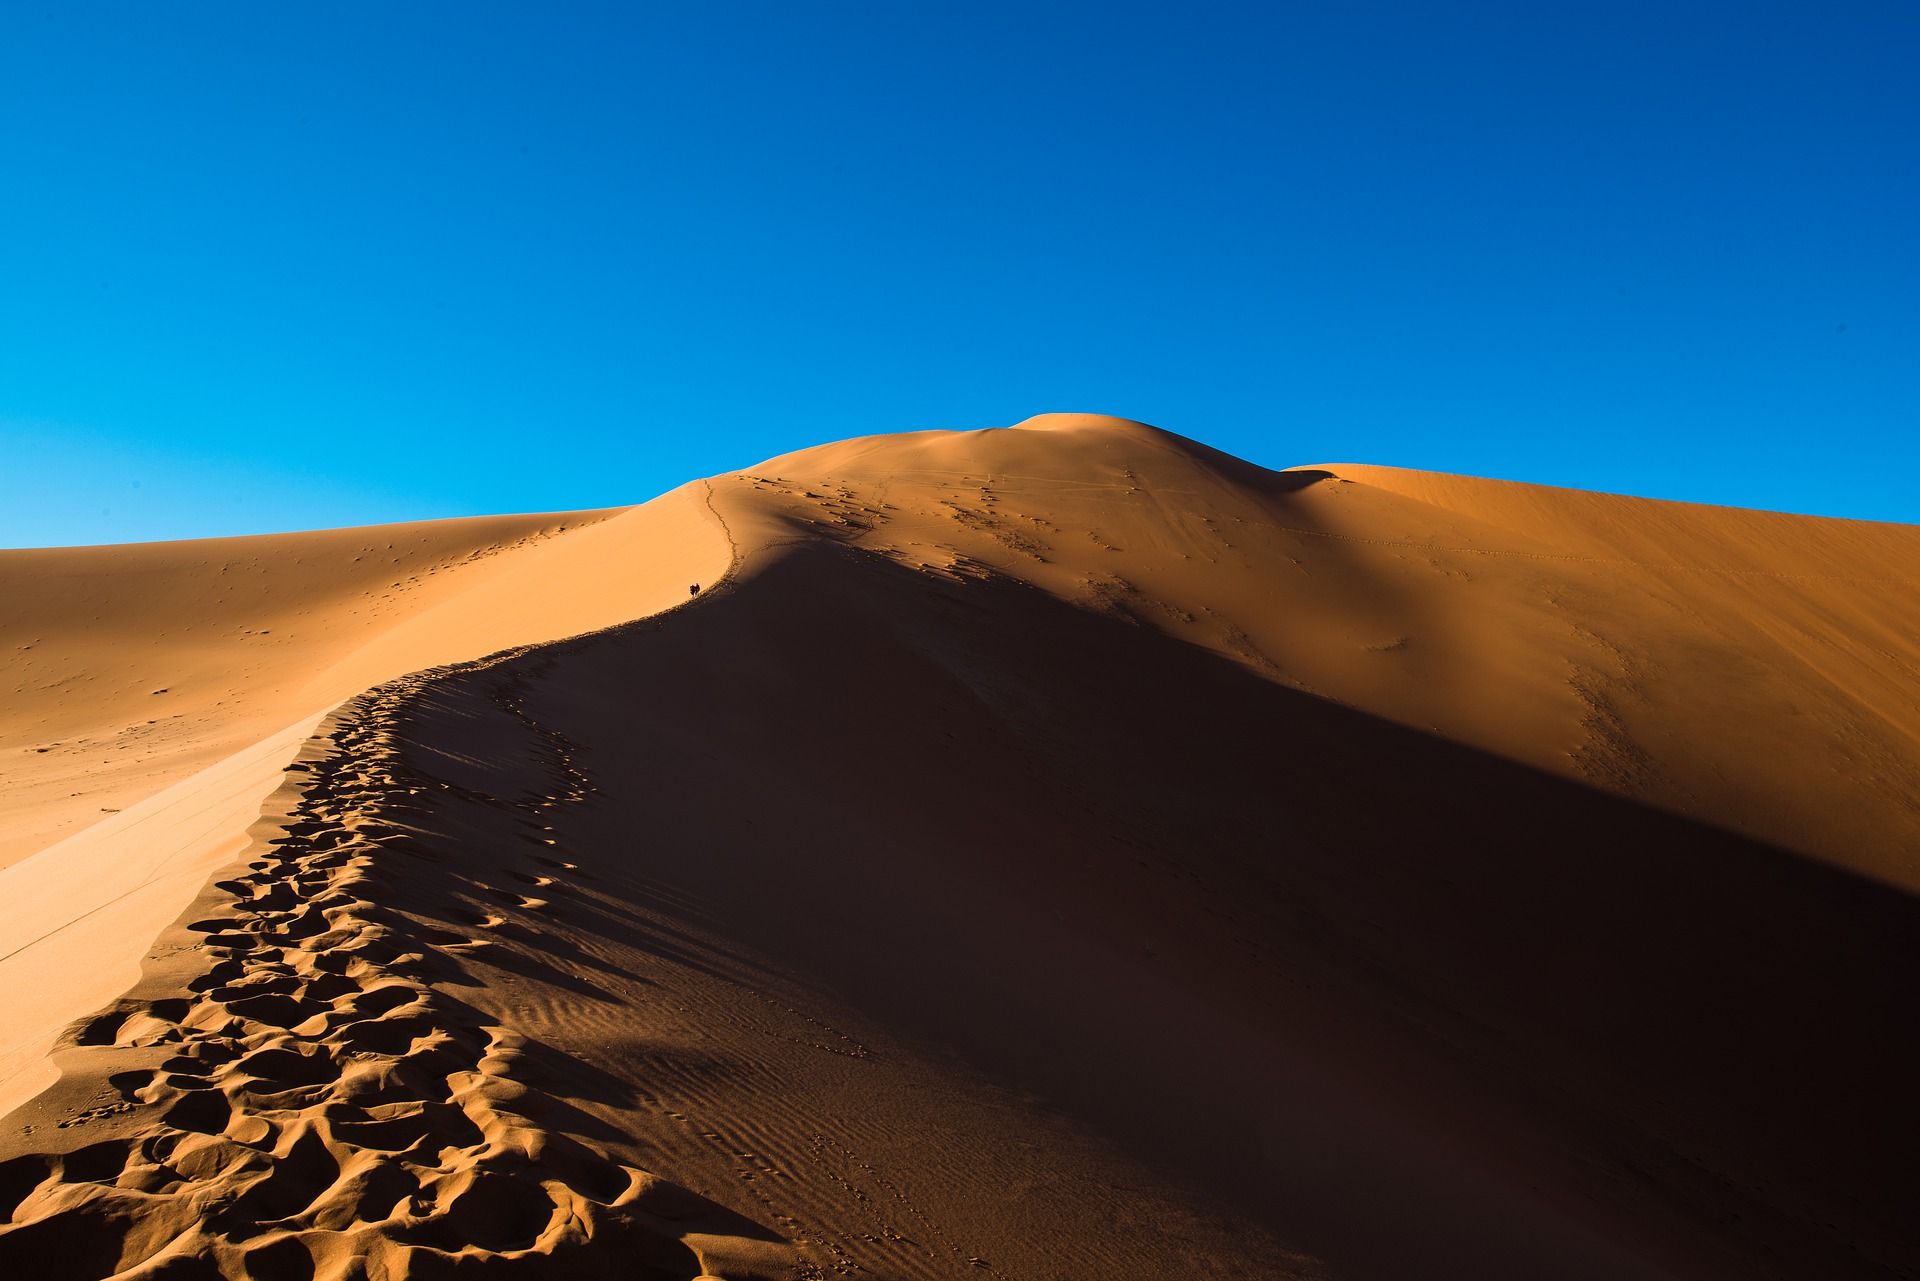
[134, 666]
[1057, 850]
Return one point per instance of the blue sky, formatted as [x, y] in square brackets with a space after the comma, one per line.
[269, 267]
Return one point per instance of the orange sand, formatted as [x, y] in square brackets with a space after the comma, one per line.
[1064, 851]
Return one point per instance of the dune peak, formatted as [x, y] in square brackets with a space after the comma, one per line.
[1080, 422]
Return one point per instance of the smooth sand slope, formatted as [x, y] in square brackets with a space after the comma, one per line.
[1053, 852]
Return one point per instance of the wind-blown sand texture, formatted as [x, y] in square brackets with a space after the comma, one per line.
[1063, 851]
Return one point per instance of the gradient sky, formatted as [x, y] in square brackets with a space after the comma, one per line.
[266, 267]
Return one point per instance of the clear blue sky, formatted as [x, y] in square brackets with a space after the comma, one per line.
[271, 266]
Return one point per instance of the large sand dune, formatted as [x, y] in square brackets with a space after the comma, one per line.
[1063, 851]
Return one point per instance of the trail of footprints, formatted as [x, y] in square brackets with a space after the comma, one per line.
[314, 1108]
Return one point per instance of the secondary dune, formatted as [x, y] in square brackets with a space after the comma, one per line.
[1056, 851]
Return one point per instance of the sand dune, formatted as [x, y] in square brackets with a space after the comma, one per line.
[1063, 851]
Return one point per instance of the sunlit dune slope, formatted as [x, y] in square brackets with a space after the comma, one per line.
[1758, 670]
[124, 669]
[1065, 851]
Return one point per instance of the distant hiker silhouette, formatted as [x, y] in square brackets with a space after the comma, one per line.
[694, 590]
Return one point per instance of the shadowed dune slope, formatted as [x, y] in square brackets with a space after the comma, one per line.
[1068, 851]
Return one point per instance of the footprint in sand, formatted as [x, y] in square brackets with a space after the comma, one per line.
[524, 902]
[316, 1088]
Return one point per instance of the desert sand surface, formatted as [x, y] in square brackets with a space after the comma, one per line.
[1059, 851]
[158, 691]
[76, 917]
[126, 669]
